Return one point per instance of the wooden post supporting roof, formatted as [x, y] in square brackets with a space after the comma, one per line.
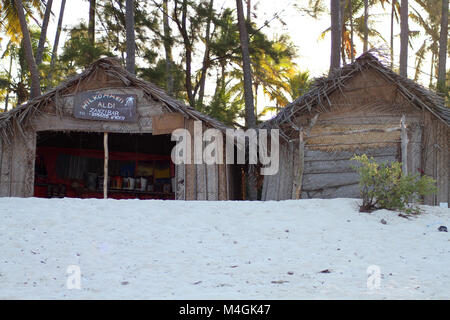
[299, 160]
[105, 167]
[404, 136]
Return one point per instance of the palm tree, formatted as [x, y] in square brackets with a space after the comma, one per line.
[186, 34]
[206, 56]
[250, 118]
[335, 35]
[55, 44]
[273, 70]
[17, 78]
[443, 39]
[91, 23]
[299, 84]
[168, 48]
[352, 44]
[296, 84]
[91, 28]
[9, 19]
[431, 25]
[249, 11]
[11, 51]
[349, 26]
[131, 46]
[404, 37]
[366, 26]
[395, 13]
[43, 36]
[35, 90]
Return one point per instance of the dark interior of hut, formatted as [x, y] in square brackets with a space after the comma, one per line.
[71, 164]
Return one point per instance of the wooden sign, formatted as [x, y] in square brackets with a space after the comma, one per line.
[105, 106]
[166, 123]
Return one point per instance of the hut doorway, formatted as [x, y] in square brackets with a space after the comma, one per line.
[71, 164]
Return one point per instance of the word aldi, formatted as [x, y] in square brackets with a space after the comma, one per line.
[208, 147]
[106, 107]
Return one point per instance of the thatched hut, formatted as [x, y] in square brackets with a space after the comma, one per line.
[54, 145]
[358, 109]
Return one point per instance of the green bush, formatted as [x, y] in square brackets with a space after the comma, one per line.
[383, 186]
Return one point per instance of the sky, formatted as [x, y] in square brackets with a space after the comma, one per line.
[313, 53]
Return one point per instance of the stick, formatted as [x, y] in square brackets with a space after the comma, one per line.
[404, 136]
[105, 168]
[301, 159]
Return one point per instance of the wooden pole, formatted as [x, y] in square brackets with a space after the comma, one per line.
[243, 185]
[404, 136]
[105, 168]
[301, 159]
[298, 176]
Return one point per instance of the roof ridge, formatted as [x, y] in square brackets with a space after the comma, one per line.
[324, 85]
[23, 113]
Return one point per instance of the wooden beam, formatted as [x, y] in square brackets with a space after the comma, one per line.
[286, 176]
[354, 144]
[317, 155]
[301, 164]
[404, 137]
[5, 173]
[343, 133]
[190, 170]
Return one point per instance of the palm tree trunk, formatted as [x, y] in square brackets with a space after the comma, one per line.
[168, 48]
[256, 98]
[335, 35]
[249, 11]
[43, 36]
[205, 64]
[131, 46]
[352, 53]
[188, 54]
[250, 118]
[443, 39]
[223, 75]
[430, 85]
[9, 82]
[91, 28]
[404, 37]
[91, 23]
[392, 33]
[182, 28]
[35, 89]
[55, 44]
[342, 28]
[366, 25]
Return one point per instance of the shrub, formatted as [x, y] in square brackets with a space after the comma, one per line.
[383, 186]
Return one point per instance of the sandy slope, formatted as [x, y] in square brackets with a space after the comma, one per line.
[219, 250]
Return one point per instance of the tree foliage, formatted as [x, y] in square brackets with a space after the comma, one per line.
[192, 49]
